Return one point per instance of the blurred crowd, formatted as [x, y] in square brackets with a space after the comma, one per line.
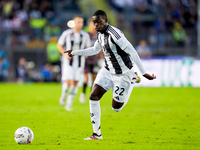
[23, 22]
[162, 23]
[31, 24]
[150, 24]
[25, 70]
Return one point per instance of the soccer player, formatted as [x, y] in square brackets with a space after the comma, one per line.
[118, 71]
[72, 39]
[91, 62]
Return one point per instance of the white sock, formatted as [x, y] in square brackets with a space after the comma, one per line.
[72, 93]
[95, 112]
[70, 100]
[64, 90]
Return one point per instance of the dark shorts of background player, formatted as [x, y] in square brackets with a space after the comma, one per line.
[90, 68]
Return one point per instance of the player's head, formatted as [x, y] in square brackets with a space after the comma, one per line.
[100, 21]
[22, 61]
[78, 21]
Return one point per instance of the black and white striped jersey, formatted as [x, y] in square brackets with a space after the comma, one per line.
[75, 41]
[113, 44]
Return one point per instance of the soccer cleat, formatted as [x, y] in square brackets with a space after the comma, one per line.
[136, 78]
[94, 137]
[68, 108]
[82, 98]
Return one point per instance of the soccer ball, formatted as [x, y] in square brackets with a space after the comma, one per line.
[24, 135]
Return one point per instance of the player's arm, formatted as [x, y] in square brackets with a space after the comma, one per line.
[88, 42]
[61, 42]
[150, 77]
[86, 52]
[125, 45]
[132, 52]
[62, 51]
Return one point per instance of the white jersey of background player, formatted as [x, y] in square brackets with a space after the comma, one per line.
[117, 73]
[72, 39]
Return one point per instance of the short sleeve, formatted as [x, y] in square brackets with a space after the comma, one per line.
[62, 39]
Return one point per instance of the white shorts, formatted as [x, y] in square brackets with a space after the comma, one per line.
[121, 84]
[69, 72]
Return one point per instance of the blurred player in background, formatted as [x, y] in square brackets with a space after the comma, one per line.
[21, 71]
[143, 50]
[72, 39]
[118, 72]
[91, 62]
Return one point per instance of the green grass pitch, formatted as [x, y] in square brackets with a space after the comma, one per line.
[154, 118]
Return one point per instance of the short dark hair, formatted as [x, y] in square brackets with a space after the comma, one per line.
[100, 13]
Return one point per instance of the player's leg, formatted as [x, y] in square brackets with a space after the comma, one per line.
[122, 88]
[95, 111]
[73, 78]
[63, 93]
[101, 85]
[73, 89]
[85, 82]
[82, 95]
[86, 78]
[94, 75]
[118, 106]
[65, 83]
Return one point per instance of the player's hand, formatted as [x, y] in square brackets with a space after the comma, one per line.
[150, 77]
[69, 53]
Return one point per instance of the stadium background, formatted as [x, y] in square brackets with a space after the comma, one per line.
[28, 26]
[163, 118]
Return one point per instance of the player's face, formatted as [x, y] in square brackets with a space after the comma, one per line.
[78, 23]
[100, 23]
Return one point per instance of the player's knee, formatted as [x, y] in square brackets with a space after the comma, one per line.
[117, 109]
[94, 97]
[73, 90]
[116, 106]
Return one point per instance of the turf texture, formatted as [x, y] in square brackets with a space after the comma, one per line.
[154, 119]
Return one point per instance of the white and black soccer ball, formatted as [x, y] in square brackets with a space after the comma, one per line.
[24, 135]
